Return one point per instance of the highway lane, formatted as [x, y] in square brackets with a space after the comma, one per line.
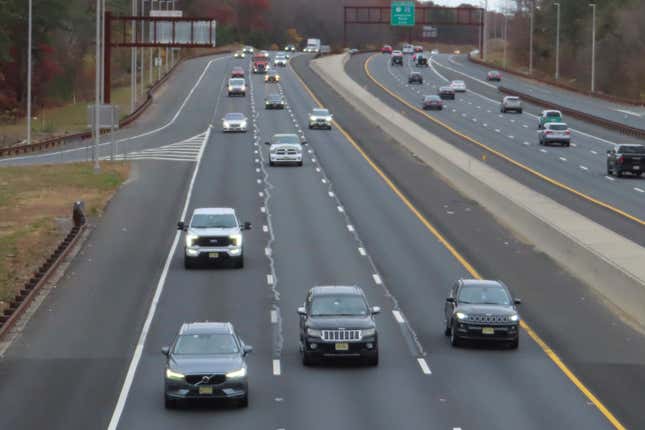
[581, 167]
[630, 115]
[176, 115]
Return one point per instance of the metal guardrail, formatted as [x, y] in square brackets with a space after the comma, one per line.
[613, 125]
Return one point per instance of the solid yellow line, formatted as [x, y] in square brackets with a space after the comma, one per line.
[500, 154]
[473, 272]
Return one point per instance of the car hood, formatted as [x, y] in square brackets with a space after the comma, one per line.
[236, 85]
[198, 364]
[326, 117]
[213, 231]
[235, 121]
[286, 146]
[336, 322]
[486, 309]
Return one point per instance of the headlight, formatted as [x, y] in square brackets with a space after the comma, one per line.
[243, 124]
[190, 237]
[226, 124]
[236, 239]
[461, 315]
[312, 118]
[239, 373]
[230, 88]
[368, 332]
[514, 318]
[175, 376]
[313, 332]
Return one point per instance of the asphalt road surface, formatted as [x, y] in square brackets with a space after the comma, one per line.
[91, 353]
[476, 114]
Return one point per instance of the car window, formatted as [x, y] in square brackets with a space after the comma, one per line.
[632, 150]
[234, 116]
[216, 343]
[322, 112]
[552, 114]
[236, 81]
[285, 138]
[484, 294]
[338, 305]
[558, 127]
[213, 221]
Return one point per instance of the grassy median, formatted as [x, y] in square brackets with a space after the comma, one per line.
[36, 209]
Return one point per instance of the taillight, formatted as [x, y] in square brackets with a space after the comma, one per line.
[620, 160]
[547, 132]
[567, 132]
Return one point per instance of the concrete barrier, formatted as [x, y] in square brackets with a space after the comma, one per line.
[611, 264]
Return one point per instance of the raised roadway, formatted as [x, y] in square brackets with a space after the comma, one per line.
[90, 355]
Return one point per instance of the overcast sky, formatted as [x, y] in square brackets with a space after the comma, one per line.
[492, 4]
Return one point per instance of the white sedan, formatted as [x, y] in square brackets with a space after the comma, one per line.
[458, 86]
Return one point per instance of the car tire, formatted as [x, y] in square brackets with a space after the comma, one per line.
[519, 111]
[307, 359]
[188, 263]
[271, 163]
[568, 144]
[310, 127]
[239, 262]
[502, 110]
[618, 173]
[170, 403]
[446, 330]
[300, 164]
[372, 360]
[515, 343]
[454, 337]
[609, 172]
[244, 401]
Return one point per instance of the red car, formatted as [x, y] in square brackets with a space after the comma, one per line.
[386, 49]
[494, 75]
[237, 72]
[418, 48]
[432, 102]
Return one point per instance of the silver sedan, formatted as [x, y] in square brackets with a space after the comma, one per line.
[234, 121]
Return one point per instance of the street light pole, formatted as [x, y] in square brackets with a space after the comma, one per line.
[142, 59]
[485, 45]
[133, 61]
[557, 41]
[102, 50]
[593, 47]
[531, 38]
[29, 75]
[97, 89]
[505, 36]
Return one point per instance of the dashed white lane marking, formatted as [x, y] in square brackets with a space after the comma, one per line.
[543, 150]
[593, 152]
[259, 181]
[610, 178]
[331, 194]
[485, 125]
[377, 279]
[527, 143]
[424, 366]
[265, 228]
[525, 125]
[318, 169]
[398, 317]
[573, 144]
[563, 159]
[323, 180]
[313, 160]
[263, 209]
[276, 367]
[350, 227]
[583, 167]
[274, 316]
[270, 279]
[639, 190]
[261, 194]
[511, 137]
[362, 251]
[257, 170]
[340, 209]
[497, 130]
[456, 428]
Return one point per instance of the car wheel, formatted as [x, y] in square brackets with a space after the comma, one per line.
[239, 262]
[170, 403]
[519, 111]
[567, 144]
[608, 170]
[454, 337]
[271, 163]
[188, 263]
[307, 359]
[244, 401]
[446, 331]
[618, 172]
[300, 164]
[310, 127]
[515, 343]
[502, 110]
[372, 360]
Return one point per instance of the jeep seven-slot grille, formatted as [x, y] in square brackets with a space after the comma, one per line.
[489, 319]
[341, 335]
[212, 241]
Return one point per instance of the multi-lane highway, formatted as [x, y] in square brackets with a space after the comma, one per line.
[91, 352]
[476, 114]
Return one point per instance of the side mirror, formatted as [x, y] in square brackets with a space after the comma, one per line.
[267, 143]
[181, 225]
[247, 349]
[450, 300]
[246, 226]
[376, 310]
[517, 301]
[165, 350]
[302, 311]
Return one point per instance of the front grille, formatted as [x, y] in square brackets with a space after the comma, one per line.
[488, 319]
[212, 241]
[199, 379]
[341, 335]
[286, 151]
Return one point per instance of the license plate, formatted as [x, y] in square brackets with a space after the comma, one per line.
[342, 347]
[213, 254]
[488, 330]
[205, 390]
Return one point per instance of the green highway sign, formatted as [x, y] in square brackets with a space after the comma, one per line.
[402, 13]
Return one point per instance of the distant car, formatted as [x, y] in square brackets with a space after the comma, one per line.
[272, 76]
[458, 86]
[481, 310]
[511, 103]
[236, 87]
[337, 322]
[248, 49]
[206, 360]
[415, 78]
[397, 58]
[320, 118]
[386, 49]
[237, 72]
[274, 101]
[446, 93]
[234, 121]
[407, 49]
[555, 132]
[432, 102]
[493, 75]
[420, 60]
[285, 149]
[456, 52]
[417, 48]
[626, 158]
[547, 116]
[213, 235]
[239, 54]
[290, 48]
[280, 60]
[434, 52]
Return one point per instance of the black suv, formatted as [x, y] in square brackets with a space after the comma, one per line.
[336, 322]
[415, 78]
[274, 101]
[481, 310]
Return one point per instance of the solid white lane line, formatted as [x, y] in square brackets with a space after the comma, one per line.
[377, 279]
[424, 366]
[270, 279]
[398, 317]
[276, 367]
[362, 251]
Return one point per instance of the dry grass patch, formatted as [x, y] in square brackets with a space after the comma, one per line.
[35, 212]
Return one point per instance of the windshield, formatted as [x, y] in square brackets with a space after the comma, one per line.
[236, 81]
[234, 116]
[458, 82]
[217, 343]
[285, 138]
[274, 97]
[484, 295]
[552, 114]
[338, 305]
[213, 221]
[558, 127]
[321, 112]
[632, 149]
[432, 98]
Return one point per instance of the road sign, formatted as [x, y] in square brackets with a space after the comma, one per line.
[402, 14]
[429, 32]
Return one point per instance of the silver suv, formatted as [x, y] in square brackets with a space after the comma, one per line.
[213, 235]
[236, 86]
[511, 103]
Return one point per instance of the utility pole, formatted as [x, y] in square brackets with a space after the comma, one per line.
[485, 45]
[531, 37]
[102, 49]
[151, 49]
[505, 37]
[142, 58]
[133, 61]
[557, 41]
[172, 50]
[593, 47]
[29, 42]
[97, 89]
